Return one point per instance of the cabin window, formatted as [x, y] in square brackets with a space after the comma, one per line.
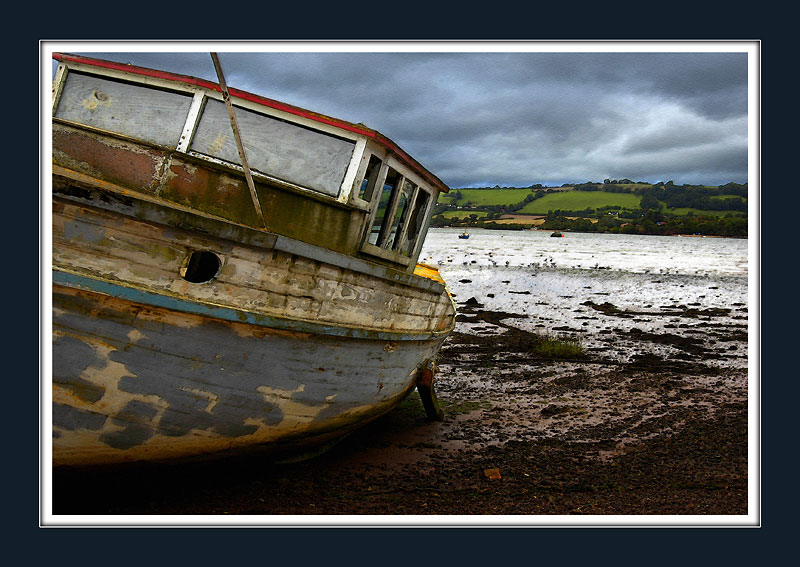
[142, 112]
[370, 179]
[401, 207]
[382, 223]
[415, 222]
[287, 151]
[399, 217]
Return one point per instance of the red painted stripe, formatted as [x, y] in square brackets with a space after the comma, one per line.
[185, 79]
[137, 70]
[271, 103]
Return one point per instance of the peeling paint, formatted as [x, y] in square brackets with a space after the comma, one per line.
[95, 100]
[140, 257]
[297, 337]
[217, 144]
[166, 388]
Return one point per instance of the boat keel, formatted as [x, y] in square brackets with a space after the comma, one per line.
[426, 392]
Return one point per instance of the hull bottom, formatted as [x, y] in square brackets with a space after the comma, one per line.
[133, 382]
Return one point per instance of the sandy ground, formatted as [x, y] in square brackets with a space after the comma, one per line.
[644, 423]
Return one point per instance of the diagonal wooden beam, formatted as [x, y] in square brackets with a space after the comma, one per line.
[226, 97]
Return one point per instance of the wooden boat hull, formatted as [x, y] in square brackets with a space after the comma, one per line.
[279, 349]
[136, 382]
[204, 302]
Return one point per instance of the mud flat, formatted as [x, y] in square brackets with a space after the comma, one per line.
[652, 419]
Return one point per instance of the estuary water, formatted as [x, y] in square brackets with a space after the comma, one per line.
[699, 256]
[558, 283]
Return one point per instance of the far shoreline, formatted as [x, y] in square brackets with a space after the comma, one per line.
[566, 231]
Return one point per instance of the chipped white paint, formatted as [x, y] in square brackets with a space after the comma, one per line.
[210, 396]
[352, 169]
[296, 413]
[95, 100]
[315, 402]
[191, 122]
[272, 283]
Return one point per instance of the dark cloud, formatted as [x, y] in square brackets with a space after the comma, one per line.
[480, 119]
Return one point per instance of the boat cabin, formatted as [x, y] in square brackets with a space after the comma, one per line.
[168, 138]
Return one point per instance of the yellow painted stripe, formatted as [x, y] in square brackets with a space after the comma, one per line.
[426, 271]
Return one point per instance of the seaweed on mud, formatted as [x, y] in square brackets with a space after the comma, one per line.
[555, 409]
[692, 346]
[502, 347]
[581, 381]
[670, 311]
[662, 367]
[608, 433]
[607, 309]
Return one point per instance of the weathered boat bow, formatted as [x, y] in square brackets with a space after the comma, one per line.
[181, 325]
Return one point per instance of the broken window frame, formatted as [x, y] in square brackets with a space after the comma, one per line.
[385, 246]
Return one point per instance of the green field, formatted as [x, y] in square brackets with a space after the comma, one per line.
[487, 196]
[569, 200]
[580, 200]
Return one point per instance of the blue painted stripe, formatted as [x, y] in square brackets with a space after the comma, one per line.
[228, 313]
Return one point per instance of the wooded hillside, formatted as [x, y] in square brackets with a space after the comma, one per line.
[612, 206]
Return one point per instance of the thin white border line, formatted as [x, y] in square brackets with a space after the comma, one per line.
[749, 46]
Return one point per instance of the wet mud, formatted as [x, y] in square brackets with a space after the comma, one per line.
[651, 419]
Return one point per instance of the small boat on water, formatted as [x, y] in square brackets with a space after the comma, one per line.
[557, 235]
[464, 235]
[209, 299]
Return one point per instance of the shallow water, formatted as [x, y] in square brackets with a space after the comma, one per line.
[554, 281]
[618, 252]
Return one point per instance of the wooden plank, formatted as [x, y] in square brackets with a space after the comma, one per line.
[279, 284]
[135, 382]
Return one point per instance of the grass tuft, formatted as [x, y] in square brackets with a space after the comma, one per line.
[550, 346]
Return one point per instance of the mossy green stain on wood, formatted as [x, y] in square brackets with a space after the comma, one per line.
[286, 212]
[296, 216]
[209, 191]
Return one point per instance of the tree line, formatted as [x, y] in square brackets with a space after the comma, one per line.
[655, 223]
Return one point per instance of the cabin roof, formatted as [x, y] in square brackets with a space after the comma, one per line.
[268, 102]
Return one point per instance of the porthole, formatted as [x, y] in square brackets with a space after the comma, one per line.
[200, 267]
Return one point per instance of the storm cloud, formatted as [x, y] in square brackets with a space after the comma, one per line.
[516, 119]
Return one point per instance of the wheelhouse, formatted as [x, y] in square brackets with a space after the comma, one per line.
[319, 180]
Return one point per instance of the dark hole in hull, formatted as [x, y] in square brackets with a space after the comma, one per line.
[203, 266]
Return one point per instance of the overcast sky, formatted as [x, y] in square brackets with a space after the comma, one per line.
[515, 119]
